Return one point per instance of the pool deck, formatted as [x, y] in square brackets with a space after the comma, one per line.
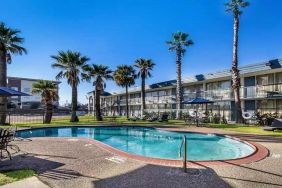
[72, 162]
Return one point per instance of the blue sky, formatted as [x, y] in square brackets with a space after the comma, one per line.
[114, 32]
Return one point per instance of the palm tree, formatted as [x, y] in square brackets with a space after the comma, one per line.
[125, 76]
[72, 65]
[10, 44]
[144, 66]
[178, 43]
[49, 93]
[235, 7]
[100, 73]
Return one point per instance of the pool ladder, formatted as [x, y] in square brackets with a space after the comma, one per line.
[184, 144]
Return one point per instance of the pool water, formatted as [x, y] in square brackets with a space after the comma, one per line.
[152, 142]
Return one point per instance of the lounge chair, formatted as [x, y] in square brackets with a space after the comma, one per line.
[275, 125]
[153, 118]
[5, 138]
[135, 118]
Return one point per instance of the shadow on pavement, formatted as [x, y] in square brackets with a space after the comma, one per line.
[251, 171]
[163, 176]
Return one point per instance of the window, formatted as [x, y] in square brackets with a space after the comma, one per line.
[265, 79]
[279, 104]
[222, 85]
[163, 93]
[148, 94]
[193, 89]
[278, 77]
[266, 104]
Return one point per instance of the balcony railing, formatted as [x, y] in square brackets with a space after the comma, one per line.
[262, 91]
[251, 92]
[214, 95]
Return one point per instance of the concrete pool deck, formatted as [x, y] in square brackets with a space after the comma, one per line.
[72, 162]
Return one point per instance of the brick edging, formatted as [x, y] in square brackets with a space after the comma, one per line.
[260, 153]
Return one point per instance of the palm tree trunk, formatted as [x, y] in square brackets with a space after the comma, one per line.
[126, 95]
[74, 117]
[143, 106]
[235, 72]
[98, 105]
[48, 113]
[178, 85]
[3, 83]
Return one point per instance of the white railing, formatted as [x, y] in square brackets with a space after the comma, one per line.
[261, 91]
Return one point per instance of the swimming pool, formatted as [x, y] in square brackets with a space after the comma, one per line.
[151, 142]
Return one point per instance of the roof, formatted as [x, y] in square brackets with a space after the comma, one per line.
[30, 79]
[264, 66]
[103, 94]
[258, 67]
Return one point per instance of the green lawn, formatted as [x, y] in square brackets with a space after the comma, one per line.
[90, 120]
[247, 129]
[12, 176]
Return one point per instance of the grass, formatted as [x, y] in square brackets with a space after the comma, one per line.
[251, 129]
[12, 176]
[90, 120]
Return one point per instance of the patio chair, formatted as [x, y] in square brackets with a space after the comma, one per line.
[5, 138]
[189, 120]
[12, 137]
[249, 117]
[135, 118]
[275, 125]
[153, 118]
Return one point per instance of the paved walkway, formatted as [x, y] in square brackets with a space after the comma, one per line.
[71, 162]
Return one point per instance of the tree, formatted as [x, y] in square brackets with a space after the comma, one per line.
[144, 66]
[71, 65]
[125, 76]
[178, 43]
[100, 73]
[10, 44]
[235, 6]
[49, 94]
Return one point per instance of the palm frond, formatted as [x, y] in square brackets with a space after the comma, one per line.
[179, 41]
[72, 66]
[235, 6]
[11, 41]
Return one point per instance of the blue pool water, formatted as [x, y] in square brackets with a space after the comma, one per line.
[152, 142]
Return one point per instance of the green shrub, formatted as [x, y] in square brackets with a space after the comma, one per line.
[265, 119]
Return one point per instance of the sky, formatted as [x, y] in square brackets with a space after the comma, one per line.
[114, 32]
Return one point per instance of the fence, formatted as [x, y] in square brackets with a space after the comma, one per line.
[23, 116]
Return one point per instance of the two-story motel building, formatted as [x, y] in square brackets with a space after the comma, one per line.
[261, 90]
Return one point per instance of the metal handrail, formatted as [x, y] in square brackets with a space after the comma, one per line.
[180, 149]
[184, 143]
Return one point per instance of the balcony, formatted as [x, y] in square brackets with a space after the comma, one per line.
[261, 91]
[220, 94]
[213, 95]
[251, 92]
[192, 95]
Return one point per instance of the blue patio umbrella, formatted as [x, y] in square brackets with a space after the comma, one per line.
[198, 101]
[8, 92]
